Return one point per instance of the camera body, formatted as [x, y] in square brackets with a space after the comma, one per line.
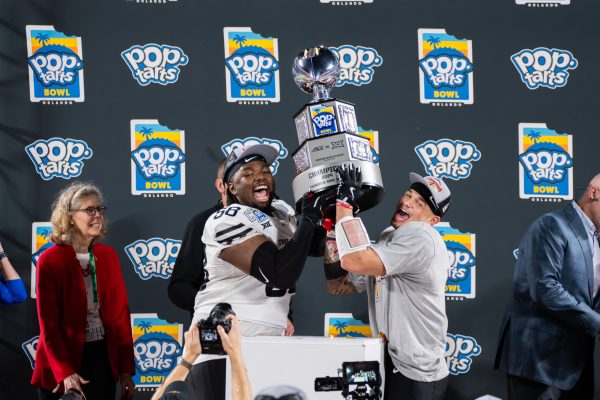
[356, 380]
[209, 337]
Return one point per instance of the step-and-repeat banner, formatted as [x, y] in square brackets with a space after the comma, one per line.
[144, 97]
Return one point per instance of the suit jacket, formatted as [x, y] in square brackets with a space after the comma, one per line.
[62, 314]
[549, 326]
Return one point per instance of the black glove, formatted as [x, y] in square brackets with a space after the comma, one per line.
[349, 184]
[312, 206]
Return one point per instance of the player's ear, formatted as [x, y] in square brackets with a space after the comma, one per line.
[232, 188]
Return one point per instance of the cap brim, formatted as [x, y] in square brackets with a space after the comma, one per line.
[268, 152]
[414, 177]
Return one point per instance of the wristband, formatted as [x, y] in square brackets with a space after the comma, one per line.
[344, 204]
[186, 364]
[3, 255]
[351, 236]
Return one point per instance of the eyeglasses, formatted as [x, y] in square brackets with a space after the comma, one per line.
[92, 210]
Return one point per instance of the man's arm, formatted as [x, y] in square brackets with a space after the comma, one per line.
[547, 263]
[191, 351]
[232, 344]
[337, 281]
[364, 262]
[14, 290]
[259, 257]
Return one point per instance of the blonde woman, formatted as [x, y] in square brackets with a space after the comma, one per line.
[85, 334]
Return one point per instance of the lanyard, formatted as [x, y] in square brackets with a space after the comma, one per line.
[93, 276]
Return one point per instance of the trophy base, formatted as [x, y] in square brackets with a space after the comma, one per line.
[322, 180]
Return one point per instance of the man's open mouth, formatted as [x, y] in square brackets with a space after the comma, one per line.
[261, 193]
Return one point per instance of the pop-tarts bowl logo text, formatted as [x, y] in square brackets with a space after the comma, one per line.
[154, 63]
[157, 158]
[55, 65]
[357, 64]
[30, 349]
[445, 68]
[460, 351]
[153, 258]
[251, 66]
[156, 349]
[545, 163]
[447, 158]
[462, 262]
[278, 145]
[543, 67]
[56, 157]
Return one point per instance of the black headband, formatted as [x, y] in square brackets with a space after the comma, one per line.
[426, 194]
[233, 168]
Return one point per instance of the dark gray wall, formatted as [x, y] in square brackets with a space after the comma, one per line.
[487, 203]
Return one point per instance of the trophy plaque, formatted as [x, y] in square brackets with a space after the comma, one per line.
[328, 134]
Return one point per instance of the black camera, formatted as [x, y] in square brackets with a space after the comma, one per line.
[209, 337]
[356, 380]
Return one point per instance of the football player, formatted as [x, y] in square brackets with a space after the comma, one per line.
[256, 248]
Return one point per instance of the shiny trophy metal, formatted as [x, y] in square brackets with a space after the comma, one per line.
[328, 134]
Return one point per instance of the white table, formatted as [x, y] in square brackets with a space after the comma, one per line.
[298, 360]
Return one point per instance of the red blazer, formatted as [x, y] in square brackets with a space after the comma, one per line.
[62, 314]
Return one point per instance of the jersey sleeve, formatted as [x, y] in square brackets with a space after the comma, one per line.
[229, 226]
[409, 250]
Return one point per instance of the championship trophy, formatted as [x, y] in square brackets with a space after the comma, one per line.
[328, 135]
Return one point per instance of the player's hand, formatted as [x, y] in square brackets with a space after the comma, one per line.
[312, 207]
[349, 184]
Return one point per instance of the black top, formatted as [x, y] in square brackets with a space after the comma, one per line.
[188, 273]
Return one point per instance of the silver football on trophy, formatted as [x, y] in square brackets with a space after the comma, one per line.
[316, 70]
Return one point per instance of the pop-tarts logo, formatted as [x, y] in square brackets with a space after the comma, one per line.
[323, 119]
[251, 67]
[56, 157]
[445, 68]
[154, 63]
[30, 349]
[228, 147]
[156, 348]
[153, 258]
[157, 159]
[462, 262]
[460, 351]
[545, 163]
[544, 67]
[357, 64]
[55, 65]
[448, 158]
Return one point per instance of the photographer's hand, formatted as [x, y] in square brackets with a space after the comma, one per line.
[232, 341]
[232, 344]
[192, 348]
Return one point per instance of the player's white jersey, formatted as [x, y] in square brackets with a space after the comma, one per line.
[251, 300]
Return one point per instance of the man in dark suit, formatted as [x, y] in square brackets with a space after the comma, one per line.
[546, 343]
